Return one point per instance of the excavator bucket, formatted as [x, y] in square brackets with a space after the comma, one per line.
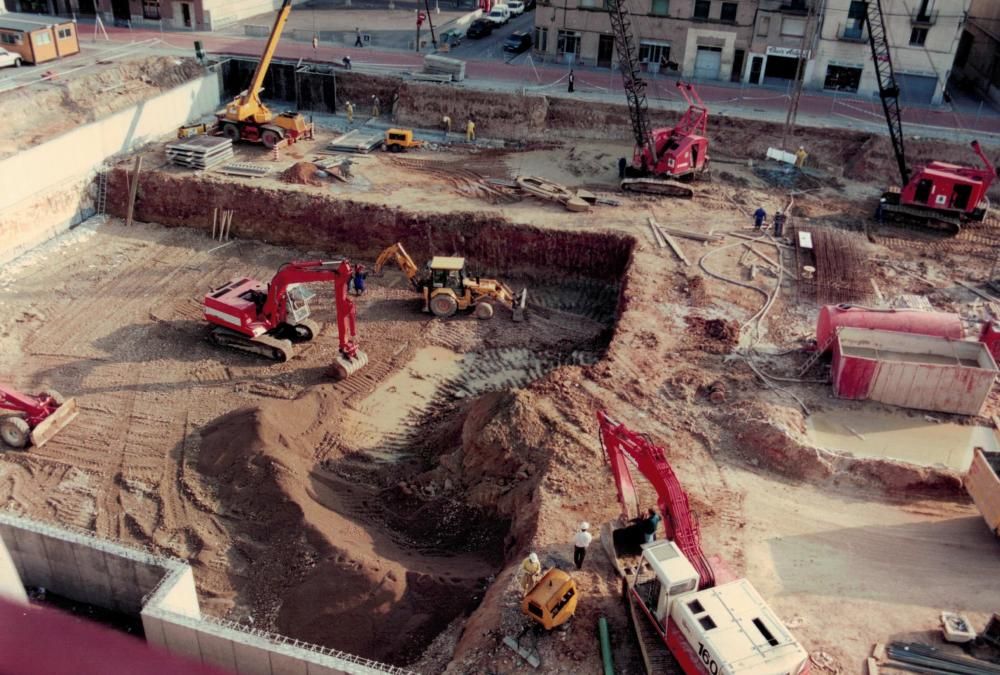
[519, 303]
[54, 423]
[342, 367]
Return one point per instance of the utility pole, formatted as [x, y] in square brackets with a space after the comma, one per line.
[793, 105]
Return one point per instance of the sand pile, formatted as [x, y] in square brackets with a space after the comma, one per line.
[301, 173]
[715, 336]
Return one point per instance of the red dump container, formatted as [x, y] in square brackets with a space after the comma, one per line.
[918, 322]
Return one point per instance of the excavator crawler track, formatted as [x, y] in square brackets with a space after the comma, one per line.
[263, 345]
[657, 186]
[926, 220]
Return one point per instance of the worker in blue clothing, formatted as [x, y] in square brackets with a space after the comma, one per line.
[650, 525]
[359, 279]
[758, 217]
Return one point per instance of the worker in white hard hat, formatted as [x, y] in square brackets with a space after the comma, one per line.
[880, 211]
[800, 157]
[531, 570]
[581, 541]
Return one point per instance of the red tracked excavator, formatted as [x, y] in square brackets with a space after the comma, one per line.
[940, 195]
[35, 419]
[268, 319]
[683, 607]
[665, 156]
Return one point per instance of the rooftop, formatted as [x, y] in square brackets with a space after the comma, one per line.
[29, 22]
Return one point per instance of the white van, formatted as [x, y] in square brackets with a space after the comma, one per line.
[500, 14]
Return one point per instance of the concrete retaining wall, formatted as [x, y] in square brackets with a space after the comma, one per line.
[55, 176]
[86, 569]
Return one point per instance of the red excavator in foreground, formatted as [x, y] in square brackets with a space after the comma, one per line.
[681, 604]
[939, 195]
[662, 157]
[25, 418]
[269, 319]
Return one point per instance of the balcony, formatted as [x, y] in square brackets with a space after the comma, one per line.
[852, 32]
[922, 17]
[798, 7]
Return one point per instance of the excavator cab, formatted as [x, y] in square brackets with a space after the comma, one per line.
[297, 303]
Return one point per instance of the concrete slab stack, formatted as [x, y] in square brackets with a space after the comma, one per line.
[200, 152]
[445, 66]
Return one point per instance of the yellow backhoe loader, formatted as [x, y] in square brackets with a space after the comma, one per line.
[446, 288]
[248, 119]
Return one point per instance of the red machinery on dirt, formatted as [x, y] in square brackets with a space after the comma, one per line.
[269, 319]
[35, 419]
[661, 156]
[940, 194]
[709, 621]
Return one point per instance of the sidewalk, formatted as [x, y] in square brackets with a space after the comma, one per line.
[815, 109]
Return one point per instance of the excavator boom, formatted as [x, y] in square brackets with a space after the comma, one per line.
[403, 259]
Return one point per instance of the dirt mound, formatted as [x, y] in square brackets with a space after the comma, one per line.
[301, 173]
[716, 336]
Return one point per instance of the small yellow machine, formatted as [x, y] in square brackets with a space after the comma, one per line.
[446, 288]
[401, 140]
[189, 130]
[552, 602]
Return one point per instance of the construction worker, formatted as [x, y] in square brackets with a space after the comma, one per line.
[572, 80]
[649, 526]
[622, 164]
[531, 570]
[347, 63]
[446, 123]
[315, 41]
[375, 106]
[581, 541]
[800, 157]
[880, 211]
[349, 107]
[758, 217]
[779, 223]
[470, 131]
[359, 279]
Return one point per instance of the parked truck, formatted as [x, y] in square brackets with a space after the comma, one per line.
[983, 485]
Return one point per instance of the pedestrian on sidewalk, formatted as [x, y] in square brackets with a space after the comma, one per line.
[531, 569]
[581, 541]
[758, 217]
[572, 80]
[349, 107]
[357, 37]
[315, 41]
[622, 164]
[470, 131]
[779, 224]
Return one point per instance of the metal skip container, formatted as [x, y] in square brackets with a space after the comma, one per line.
[912, 371]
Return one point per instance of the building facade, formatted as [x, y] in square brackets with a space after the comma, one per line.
[824, 43]
[977, 62]
[175, 14]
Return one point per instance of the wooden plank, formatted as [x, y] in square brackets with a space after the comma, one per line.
[675, 247]
[763, 239]
[872, 666]
[134, 191]
[687, 234]
[878, 291]
[656, 234]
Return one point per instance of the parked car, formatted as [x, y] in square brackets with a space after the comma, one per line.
[452, 37]
[479, 28]
[9, 59]
[499, 15]
[516, 7]
[518, 42]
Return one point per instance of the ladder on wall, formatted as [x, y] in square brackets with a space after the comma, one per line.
[101, 202]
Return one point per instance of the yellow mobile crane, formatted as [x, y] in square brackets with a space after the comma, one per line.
[247, 118]
[446, 288]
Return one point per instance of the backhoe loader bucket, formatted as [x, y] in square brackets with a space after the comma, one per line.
[519, 304]
[54, 423]
[343, 367]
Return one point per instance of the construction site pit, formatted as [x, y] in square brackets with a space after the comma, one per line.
[385, 515]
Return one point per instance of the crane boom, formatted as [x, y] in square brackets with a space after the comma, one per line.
[888, 90]
[250, 102]
[635, 86]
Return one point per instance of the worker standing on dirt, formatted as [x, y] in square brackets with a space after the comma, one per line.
[580, 543]
[800, 157]
[649, 526]
[622, 164]
[357, 37]
[446, 124]
[572, 80]
[470, 131]
[758, 217]
[531, 569]
[359, 279]
[349, 107]
[880, 212]
[779, 223]
[375, 106]
[347, 63]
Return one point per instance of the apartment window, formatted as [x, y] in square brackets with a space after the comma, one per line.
[151, 9]
[729, 12]
[43, 38]
[702, 8]
[842, 78]
[654, 54]
[764, 27]
[9, 39]
[541, 38]
[65, 33]
[918, 36]
[568, 42]
[659, 7]
[793, 27]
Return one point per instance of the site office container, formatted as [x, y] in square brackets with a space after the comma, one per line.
[912, 371]
[983, 486]
[37, 38]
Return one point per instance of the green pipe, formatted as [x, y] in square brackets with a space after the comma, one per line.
[602, 631]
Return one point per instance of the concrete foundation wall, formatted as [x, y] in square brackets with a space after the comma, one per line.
[162, 591]
[56, 175]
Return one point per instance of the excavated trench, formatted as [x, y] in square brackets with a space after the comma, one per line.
[367, 518]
